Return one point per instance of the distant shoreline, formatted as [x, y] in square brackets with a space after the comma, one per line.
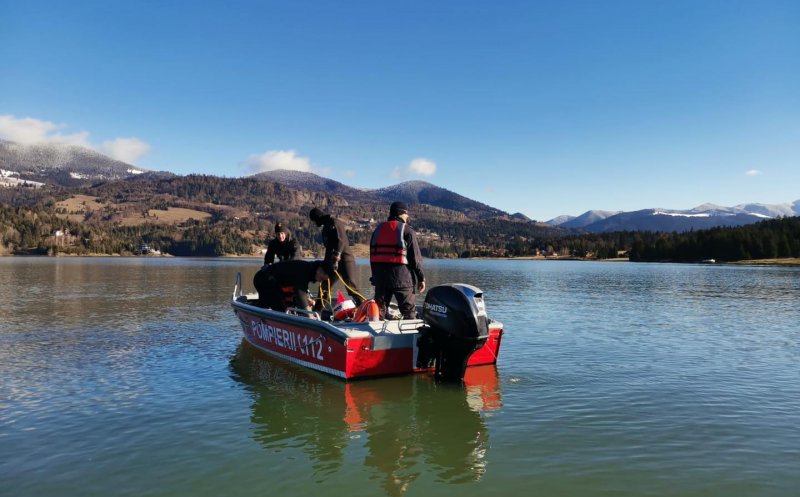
[789, 261]
[541, 258]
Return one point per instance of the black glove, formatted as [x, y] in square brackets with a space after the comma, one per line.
[333, 262]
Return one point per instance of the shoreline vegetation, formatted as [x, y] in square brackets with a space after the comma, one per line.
[783, 261]
[788, 261]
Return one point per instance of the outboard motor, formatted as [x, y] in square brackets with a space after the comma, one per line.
[456, 325]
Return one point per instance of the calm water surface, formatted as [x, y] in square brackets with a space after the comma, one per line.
[128, 377]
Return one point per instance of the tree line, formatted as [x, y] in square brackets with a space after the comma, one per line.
[770, 239]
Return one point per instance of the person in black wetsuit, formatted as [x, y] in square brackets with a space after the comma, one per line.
[338, 256]
[285, 284]
[283, 246]
[396, 263]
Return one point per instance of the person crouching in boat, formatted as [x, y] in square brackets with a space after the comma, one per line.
[285, 284]
[396, 263]
[283, 246]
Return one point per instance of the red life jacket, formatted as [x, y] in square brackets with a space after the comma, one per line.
[288, 295]
[387, 243]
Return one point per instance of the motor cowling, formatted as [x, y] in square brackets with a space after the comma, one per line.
[456, 325]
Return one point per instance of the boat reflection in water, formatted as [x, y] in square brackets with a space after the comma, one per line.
[407, 426]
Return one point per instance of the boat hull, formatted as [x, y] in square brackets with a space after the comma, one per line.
[346, 350]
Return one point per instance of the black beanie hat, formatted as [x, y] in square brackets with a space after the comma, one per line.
[316, 215]
[398, 208]
[279, 228]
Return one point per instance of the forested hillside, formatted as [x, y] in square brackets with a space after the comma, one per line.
[212, 216]
[775, 238]
[238, 215]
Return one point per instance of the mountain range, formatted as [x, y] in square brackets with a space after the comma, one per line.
[410, 192]
[656, 219]
[70, 166]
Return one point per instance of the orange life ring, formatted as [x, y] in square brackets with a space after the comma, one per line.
[367, 311]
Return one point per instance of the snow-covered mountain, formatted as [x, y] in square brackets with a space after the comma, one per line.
[774, 210]
[700, 217]
[585, 219]
[558, 220]
[60, 164]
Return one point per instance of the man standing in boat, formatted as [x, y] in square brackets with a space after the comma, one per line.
[283, 246]
[338, 257]
[396, 263]
[285, 284]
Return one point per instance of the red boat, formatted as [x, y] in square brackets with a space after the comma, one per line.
[454, 333]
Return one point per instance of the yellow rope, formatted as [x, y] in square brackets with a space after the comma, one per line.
[352, 291]
[323, 294]
[329, 302]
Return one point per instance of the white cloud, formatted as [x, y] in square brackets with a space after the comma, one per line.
[30, 131]
[754, 172]
[277, 159]
[417, 167]
[125, 149]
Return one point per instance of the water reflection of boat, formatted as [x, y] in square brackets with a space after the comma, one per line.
[401, 427]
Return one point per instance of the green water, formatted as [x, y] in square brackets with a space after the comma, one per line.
[128, 377]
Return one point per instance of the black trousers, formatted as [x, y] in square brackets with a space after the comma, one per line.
[406, 301]
[347, 270]
[269, 291]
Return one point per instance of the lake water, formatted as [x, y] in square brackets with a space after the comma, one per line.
[128, 377]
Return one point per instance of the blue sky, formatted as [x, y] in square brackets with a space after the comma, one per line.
[544, 108]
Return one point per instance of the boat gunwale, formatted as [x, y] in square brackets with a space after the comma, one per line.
[344, 329]
[340, 334]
